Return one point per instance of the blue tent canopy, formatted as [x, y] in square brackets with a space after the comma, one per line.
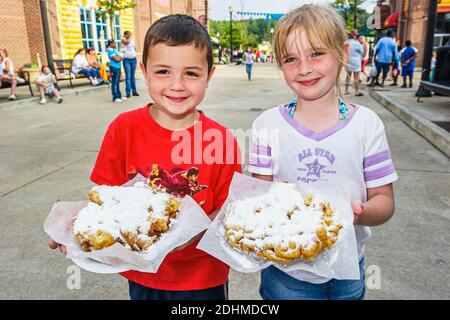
[268, 16]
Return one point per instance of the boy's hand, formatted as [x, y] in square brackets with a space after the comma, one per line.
[358, 210]
[52, 244]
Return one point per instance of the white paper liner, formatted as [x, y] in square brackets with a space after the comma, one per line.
[339, 262]
[190, 221]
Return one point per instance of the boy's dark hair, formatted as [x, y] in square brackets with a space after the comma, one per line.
[178, 30]
[408, 43]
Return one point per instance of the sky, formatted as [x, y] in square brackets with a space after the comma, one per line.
[218, 9]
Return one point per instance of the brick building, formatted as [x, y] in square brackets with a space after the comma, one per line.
[34, 30]
[409, 18]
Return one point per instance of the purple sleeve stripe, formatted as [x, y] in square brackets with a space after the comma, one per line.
[259, 149]
[260, 163]
[379, 173]
[376, 158]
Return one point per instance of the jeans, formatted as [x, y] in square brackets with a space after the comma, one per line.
[130, 69]
[248, 69]
[115, 83]
[382, 66]
[94, 73]
[140, 292]
[278, 285]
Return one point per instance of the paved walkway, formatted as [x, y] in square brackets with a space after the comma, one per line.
[47, 153]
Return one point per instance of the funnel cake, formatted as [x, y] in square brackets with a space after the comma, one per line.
[134, 216]
[281, 225]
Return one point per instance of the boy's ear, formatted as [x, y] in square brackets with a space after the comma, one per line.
[210, 74]
[143, 72]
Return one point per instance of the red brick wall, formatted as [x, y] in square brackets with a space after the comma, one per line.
[35, 30]
[14, 35]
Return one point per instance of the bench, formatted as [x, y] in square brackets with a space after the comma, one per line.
[441, 87]
[63, 71]
[24, 75]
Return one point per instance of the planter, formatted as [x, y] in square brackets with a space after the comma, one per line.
[34, 73]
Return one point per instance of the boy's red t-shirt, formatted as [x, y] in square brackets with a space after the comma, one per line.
[134, 143]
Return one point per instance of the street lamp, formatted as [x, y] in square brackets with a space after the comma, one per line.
[230, 8]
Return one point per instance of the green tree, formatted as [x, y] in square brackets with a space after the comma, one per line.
[111, 7]
[348, 15]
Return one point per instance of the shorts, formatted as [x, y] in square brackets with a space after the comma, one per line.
[407, 73]
[383, 66]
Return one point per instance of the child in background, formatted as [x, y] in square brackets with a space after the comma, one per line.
[409, 55]
[46, 85]
[318, 138]
[433, 65]
[147, 141]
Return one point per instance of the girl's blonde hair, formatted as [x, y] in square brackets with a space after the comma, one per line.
[323, 26]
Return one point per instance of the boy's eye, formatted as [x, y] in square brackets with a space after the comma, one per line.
[317, 54]
[162, 72]
[191, 74]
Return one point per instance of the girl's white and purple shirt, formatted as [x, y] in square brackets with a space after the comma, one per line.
[354, 153]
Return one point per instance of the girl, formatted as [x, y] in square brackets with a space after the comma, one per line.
[81, 65]
[318, 138]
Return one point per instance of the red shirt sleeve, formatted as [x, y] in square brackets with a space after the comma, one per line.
[232, 164]
[109, 168]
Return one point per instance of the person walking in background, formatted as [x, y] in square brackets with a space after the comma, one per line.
[409, 55]
[384, 57]
[396, 67]
[249, 60]
[220, 52]
[80, 65]
[115, 59]
[366, 58]
[355, 54]
[129, 54]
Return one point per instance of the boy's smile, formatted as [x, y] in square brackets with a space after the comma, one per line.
[177, 78]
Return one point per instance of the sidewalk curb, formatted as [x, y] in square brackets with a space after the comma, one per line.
[35, 100]
[437, 136]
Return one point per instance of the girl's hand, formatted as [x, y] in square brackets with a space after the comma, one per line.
[52, 244]
[358, 210]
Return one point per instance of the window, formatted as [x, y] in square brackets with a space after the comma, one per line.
[86, 27]
[100, 25]
[117, 30]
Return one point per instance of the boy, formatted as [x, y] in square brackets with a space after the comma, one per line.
[177, 64]
[46, 84]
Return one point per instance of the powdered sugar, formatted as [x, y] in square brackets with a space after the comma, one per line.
[123, 210]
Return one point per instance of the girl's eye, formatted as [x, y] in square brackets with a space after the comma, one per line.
[290, 60]
[162, 72]
[317, 54]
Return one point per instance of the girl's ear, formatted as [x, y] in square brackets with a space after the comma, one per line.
[143, 72]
